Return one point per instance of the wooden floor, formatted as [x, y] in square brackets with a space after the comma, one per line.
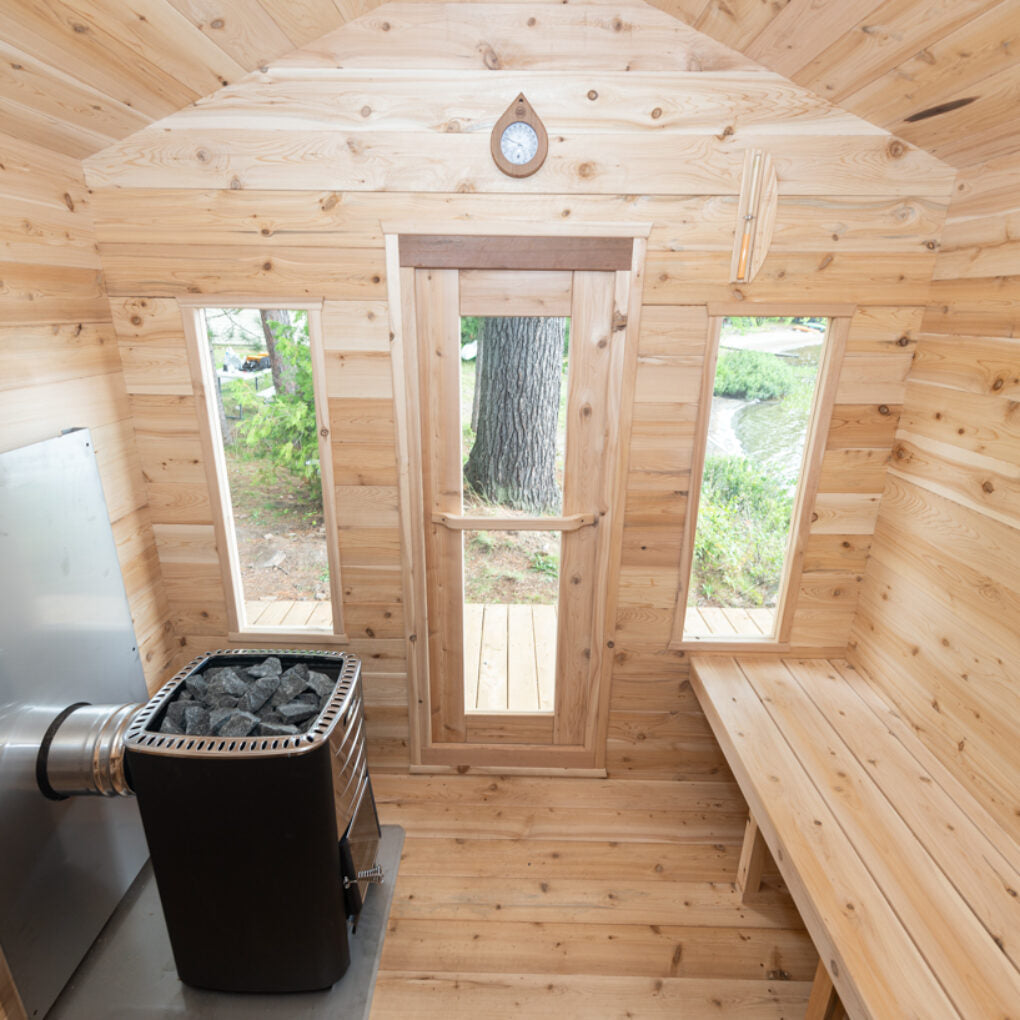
[285, 613]
[574, 898]
[709, 621]
[509, 658]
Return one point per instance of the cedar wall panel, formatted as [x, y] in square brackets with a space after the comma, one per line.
[940, 605]
[279, 186]
[61, 367]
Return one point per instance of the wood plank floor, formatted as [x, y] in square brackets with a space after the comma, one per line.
[509, 657]
[573, 898]
[711, 621]
[286, 613]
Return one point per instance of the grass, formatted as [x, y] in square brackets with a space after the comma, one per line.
[511, 566]
[508, 566]
[743, 528]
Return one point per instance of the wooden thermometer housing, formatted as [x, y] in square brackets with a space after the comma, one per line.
[519, 141]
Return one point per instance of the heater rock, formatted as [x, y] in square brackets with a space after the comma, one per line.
[212, 701]
[259, 692]
[269, 667]
[272, 729]
[297, 710]
[219, 716]
[320, 683]
[198, 685]
[196, 719]
[175, 712]
[228, 682]
[235, 701]
[240, 724]
[292, 683]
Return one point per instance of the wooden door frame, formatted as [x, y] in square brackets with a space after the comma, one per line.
[484, 249]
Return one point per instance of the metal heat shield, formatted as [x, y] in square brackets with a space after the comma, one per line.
[65, 637]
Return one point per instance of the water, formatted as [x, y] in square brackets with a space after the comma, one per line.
[768, 432]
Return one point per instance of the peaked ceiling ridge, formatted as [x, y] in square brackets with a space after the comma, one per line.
[349, 50]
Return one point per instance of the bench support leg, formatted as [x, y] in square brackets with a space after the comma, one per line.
[752, 859]
[824, 1003]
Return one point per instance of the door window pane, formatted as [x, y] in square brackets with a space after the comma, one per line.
[511, 591]
[513, 412]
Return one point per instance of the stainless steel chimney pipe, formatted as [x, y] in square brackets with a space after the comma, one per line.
[82, 753]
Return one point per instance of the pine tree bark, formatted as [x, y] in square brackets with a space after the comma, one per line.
[513, 460]
[475, 402]
[284, 380]
[226, 429]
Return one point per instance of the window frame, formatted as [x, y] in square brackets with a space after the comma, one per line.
[824, 400]
[204, 386]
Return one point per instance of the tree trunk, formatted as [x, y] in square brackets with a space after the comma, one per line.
[284, 380]
[513, 461]
[226, 429]
[475, 401]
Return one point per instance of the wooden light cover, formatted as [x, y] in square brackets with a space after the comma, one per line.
[519, 111]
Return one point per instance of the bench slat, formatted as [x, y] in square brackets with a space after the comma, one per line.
[875, 965]
[864, 687]
[957, 947]
[987, 880]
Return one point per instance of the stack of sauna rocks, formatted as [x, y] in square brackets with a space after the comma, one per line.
[261, 700]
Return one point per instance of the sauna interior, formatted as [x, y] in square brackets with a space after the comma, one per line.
[802, 807]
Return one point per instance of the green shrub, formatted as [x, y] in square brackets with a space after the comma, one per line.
[743, 525]
[284, 431]
[753, 375]
[545, 563]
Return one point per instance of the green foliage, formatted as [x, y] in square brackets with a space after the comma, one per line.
[743, 526]
[753, 375]
[239, 399]
[545, 563]
[470, 326]
[283, 431]
[750, 323]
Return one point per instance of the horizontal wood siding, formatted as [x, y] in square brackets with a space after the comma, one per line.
[61, 364]
[282, 184]
[941, 596]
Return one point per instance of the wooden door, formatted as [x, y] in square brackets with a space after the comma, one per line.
[598, 354]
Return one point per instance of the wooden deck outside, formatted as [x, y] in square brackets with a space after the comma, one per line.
[509, 658]
[712, 621]
[287, 613]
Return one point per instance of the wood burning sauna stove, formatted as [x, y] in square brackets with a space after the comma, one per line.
[263, 836]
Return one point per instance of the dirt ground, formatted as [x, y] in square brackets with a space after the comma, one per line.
[273, 515]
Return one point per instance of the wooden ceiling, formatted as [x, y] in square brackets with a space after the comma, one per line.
[76, 75]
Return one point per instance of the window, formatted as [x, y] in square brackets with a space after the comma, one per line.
[262, 370]
[513, 442]
[747, 502]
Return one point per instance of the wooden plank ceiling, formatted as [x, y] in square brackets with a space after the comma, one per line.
[76, 75]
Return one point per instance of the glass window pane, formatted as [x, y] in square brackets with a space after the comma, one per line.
[511, 592]
[262, 367]
[513, 412]
[763, 395]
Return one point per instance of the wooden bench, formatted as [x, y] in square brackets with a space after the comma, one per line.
[907, 886]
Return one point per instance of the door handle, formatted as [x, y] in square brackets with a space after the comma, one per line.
[459, 522]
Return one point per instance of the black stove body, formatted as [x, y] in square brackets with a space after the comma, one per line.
[257, 842]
